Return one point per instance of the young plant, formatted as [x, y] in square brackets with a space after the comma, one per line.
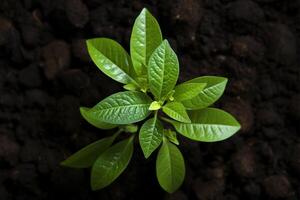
[150, 75]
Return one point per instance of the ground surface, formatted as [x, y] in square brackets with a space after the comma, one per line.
[45, 74]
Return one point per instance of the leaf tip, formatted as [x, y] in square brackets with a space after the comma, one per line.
[88, 42]
[145, 10]
[83, 111]
[146, 155]
[166, 42]
[225, 79]
[63, 163]
[239, 126]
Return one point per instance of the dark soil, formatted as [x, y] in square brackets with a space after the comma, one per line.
[46, 74]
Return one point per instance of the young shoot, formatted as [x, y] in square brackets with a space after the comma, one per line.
[151, 100]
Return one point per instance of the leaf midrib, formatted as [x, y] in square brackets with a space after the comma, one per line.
[163, 71]
[115, 65]
[114, 107]
[170, 162]
[124, 151]
[223, 125]
[152, 135]
[145, 22]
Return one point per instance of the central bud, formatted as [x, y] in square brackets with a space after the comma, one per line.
[155, 105]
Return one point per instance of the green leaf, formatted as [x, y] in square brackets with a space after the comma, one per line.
[208, 125]
[111, 164]
[155, 105]
[129, 128]
[209, 95]
[170, 169]
[92, 119]
[111, 59]
[176, 111]
[163, 70]
[143, 82]
[150, 136]
[186, 91]
[122, 108]
[171, 135]
[130, 87]
[87, 156]
[145, 38]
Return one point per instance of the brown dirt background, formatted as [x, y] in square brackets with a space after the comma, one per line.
[46, 74]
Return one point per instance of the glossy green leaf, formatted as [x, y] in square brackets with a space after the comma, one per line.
[209, 95]
[87, 156]
[111, 59]
[145, 38]
[186, 91]
[176, 111]
[163, 70]
[155, 105]
[143, 82]
[130, 87]
[170, 169]
[111, 164]
[171, 135]
[122, 108]
[208, 125]
[150, 136]
[92, 119]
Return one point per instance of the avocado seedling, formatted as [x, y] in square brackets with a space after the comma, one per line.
[149, 75]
